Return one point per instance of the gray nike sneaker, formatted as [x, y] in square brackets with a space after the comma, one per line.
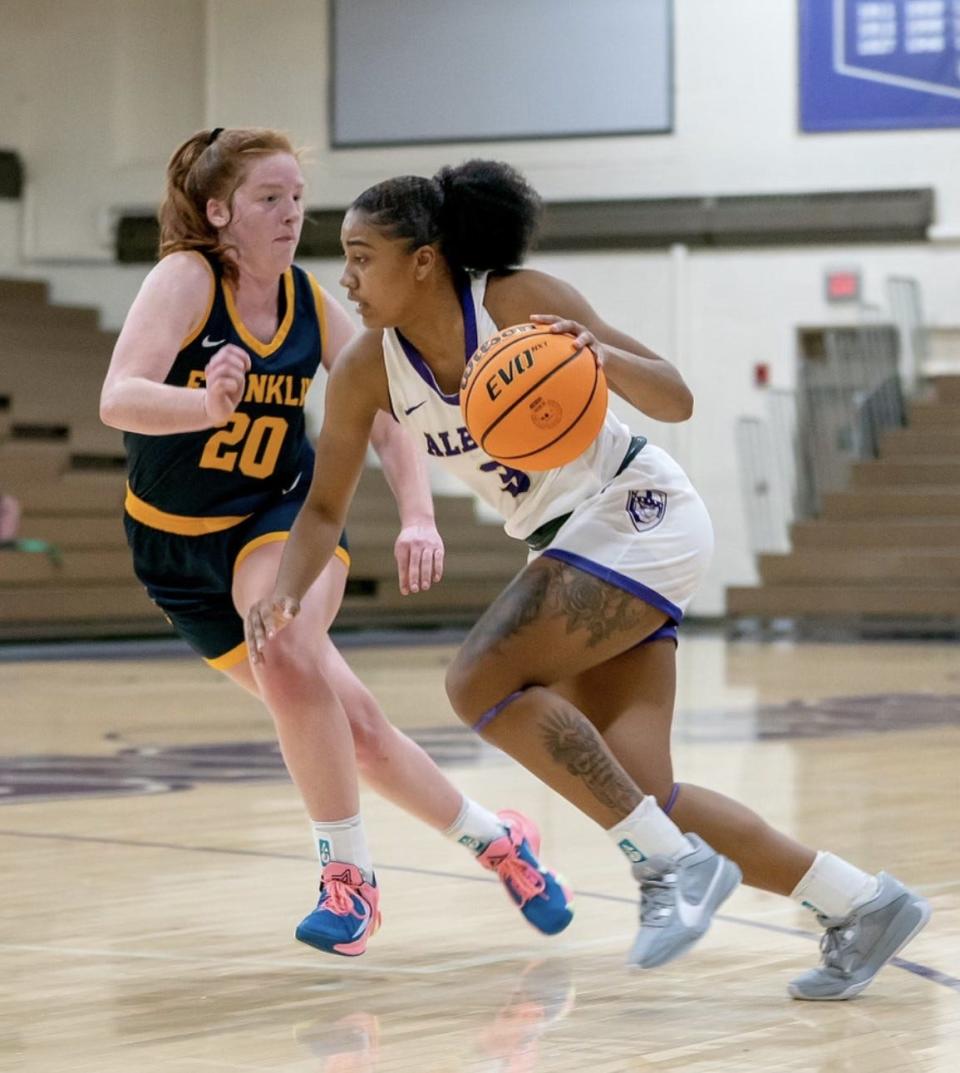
[856, 949]
[678, 897]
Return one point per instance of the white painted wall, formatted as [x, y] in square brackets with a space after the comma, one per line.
[134, 77]
[94, 94]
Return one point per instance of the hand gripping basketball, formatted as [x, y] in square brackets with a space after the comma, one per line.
[534, 397]
[582, 336]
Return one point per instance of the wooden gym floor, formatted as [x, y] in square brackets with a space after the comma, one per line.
[155, 861]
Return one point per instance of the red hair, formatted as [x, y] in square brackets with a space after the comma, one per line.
[210, 164]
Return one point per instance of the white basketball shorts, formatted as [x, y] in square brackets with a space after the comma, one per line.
[647, 532]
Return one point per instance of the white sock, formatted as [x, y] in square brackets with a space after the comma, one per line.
[345, 841]
[834, 887]
[475, 826]
[648, 831]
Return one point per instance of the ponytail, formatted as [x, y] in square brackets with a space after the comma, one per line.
[483, 213]
[489, 217]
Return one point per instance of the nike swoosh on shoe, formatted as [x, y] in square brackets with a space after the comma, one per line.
[691, 914]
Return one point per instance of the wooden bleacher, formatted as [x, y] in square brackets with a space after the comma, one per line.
[66, 468]
[886, 551]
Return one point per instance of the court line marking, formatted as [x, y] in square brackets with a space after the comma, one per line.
[447, 966]
[925, 972]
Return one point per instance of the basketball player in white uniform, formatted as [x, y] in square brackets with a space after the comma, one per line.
[572, 668]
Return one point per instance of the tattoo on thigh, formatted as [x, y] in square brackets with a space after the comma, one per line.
[593, 605]
[520, 603]
[549, 589]
[572, 742]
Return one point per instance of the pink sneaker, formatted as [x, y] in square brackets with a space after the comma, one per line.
[541, 897]
[347, 914]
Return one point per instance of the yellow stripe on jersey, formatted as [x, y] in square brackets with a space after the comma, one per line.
[321, 312]
[181, 524]
[206, 316]
[228, 659]
[264, 350]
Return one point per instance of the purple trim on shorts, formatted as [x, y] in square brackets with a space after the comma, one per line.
[672, 799]
[604, 573]
[668, 629]
[492, 713]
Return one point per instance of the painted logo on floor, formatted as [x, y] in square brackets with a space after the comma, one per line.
[156, 769]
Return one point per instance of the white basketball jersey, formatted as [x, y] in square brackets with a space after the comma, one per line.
[525, 500]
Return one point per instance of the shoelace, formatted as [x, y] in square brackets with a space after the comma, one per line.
[656, 898]
[336, 898]
[834, 943]
[525, 881]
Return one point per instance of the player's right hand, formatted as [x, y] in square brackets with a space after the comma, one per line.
[265, 619]
[226, 376]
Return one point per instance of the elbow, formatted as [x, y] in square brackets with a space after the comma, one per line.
[110, 413]
[107, 415]
[679, 409]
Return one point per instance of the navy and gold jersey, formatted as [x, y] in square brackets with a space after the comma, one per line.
[202, 482]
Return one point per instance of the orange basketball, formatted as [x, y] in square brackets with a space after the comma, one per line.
[532, 399]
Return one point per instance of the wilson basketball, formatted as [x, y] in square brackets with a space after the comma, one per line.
[532, 398]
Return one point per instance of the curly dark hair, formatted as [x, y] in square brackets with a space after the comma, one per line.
[483, 213]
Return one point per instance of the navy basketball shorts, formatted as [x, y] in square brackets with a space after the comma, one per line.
[190, 577]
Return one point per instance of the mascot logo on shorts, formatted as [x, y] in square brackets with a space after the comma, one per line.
[646, 509]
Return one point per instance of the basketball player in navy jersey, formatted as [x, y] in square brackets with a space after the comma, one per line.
[572, 669]
[208, 382]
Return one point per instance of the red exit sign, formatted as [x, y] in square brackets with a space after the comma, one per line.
[842, 285]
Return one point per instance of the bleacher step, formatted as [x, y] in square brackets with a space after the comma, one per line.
[835, 599]
[900, 442]
[906, 533]
[898, 566]
[893, 501]
[921, 469]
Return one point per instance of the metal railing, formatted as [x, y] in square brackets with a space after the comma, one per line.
[848, 393]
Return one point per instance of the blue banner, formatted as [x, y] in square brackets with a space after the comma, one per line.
[879, 64]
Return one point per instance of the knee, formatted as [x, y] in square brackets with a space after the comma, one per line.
[465, 690]
[480, 677]
[287, 672]
[478, 702]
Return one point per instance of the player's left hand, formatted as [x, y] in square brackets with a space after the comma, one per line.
[419, 553]
[584, 337]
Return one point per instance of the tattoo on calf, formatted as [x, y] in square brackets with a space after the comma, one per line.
[572, 742]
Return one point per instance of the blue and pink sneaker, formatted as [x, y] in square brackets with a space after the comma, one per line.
[347, 914]
[540, 894]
